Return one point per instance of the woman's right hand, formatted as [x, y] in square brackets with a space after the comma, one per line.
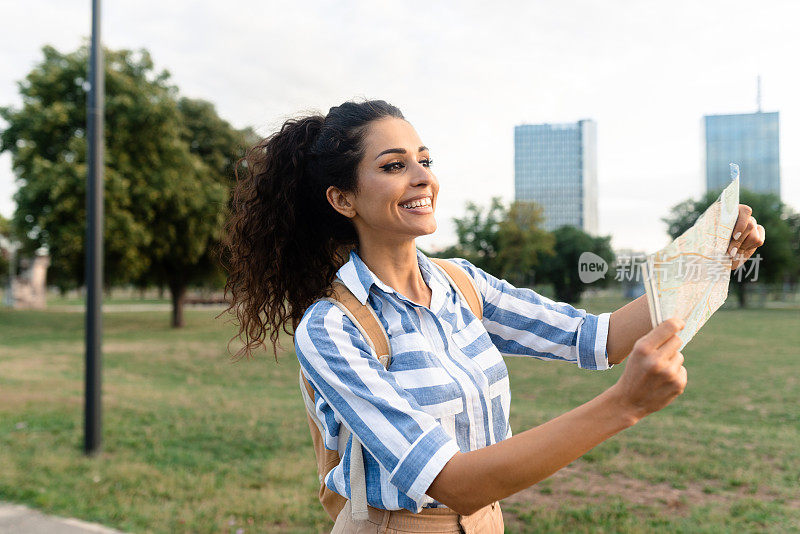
[654, 373]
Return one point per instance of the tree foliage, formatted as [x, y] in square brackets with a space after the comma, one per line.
[522, 243]
[504, 241]
[562, 267]
[509, 242]
[5, 233]
[477, 236]
[793, 221]
[5, 226]
[168, 170]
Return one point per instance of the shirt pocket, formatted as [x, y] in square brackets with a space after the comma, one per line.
[433, 388]
[437, 394]
[474, 342]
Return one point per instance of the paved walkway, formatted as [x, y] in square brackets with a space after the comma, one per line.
[18, 519]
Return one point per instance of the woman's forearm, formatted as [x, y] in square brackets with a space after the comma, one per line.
[626, 325]
[474, 479]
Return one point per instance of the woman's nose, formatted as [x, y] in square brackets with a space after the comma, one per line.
[421, 174]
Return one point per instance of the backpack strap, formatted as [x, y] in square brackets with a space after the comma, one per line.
[367, 322]
[463, 284]
[365, 319]
[331, 501]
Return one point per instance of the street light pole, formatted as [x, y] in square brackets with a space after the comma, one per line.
[94, 240]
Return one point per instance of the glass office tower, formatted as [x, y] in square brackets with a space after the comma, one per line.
[751, 141]
[556, 166]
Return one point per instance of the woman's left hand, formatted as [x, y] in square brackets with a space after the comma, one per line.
[747, 236]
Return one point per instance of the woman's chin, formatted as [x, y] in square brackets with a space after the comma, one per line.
[429, 230]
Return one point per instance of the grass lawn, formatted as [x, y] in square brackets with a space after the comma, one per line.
[193, 442]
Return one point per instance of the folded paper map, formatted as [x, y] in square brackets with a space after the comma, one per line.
[689, 277]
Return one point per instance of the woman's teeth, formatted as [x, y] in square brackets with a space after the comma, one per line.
[417, 203]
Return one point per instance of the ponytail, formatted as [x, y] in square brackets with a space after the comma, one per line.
[284, 242]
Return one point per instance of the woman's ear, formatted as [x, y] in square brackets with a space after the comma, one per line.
[340, 202]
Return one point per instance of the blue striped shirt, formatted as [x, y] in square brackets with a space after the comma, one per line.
[446, 388]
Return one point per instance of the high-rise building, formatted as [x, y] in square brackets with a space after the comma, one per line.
[749, 140]
[555, 165]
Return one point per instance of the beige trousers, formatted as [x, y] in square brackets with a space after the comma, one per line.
[487, 520]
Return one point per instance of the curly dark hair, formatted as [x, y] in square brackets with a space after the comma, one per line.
[283, 241]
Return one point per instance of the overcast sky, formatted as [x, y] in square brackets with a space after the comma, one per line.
[464, 73]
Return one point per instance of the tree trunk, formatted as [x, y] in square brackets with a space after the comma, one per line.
[178, 291]
[742, 294]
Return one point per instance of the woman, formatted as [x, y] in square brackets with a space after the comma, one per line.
[348, 193]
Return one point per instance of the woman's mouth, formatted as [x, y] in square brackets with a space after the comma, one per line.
[420, 207]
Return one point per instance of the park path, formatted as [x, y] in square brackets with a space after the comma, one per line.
[18, 519]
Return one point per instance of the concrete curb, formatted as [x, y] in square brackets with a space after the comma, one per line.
[19, 519]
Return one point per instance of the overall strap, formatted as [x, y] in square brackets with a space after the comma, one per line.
[463, 284]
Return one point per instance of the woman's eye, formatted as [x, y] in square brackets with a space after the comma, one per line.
[393, 166]
[397, 165]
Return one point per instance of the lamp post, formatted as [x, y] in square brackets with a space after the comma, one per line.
[94, 241]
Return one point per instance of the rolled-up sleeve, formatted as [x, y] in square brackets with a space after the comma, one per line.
[336, 359]
[521, 322]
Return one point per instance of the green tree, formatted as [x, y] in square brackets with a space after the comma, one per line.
[561, 268]
[477, 234]
[507, 242]
[5, 233]
[219, 145]
[521, 243]
[212, 138]
[166, 184]
[776, 258]
[793, 220]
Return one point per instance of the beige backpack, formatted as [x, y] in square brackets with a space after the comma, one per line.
[370, 327]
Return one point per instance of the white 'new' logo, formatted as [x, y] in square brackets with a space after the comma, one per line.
[591, 267]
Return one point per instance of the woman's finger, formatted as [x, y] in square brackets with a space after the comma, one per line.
[742, 219]
[671, 346]
[747, 244]
[753, 239]
[739, 236]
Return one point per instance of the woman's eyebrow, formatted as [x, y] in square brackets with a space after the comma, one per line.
[399, 151]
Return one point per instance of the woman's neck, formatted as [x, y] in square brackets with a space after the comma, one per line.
[397, 266]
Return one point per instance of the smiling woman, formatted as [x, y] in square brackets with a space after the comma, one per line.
[401, 357]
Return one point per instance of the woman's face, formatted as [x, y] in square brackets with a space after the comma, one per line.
[397, 189]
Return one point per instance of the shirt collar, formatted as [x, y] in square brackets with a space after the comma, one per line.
[358, 278]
